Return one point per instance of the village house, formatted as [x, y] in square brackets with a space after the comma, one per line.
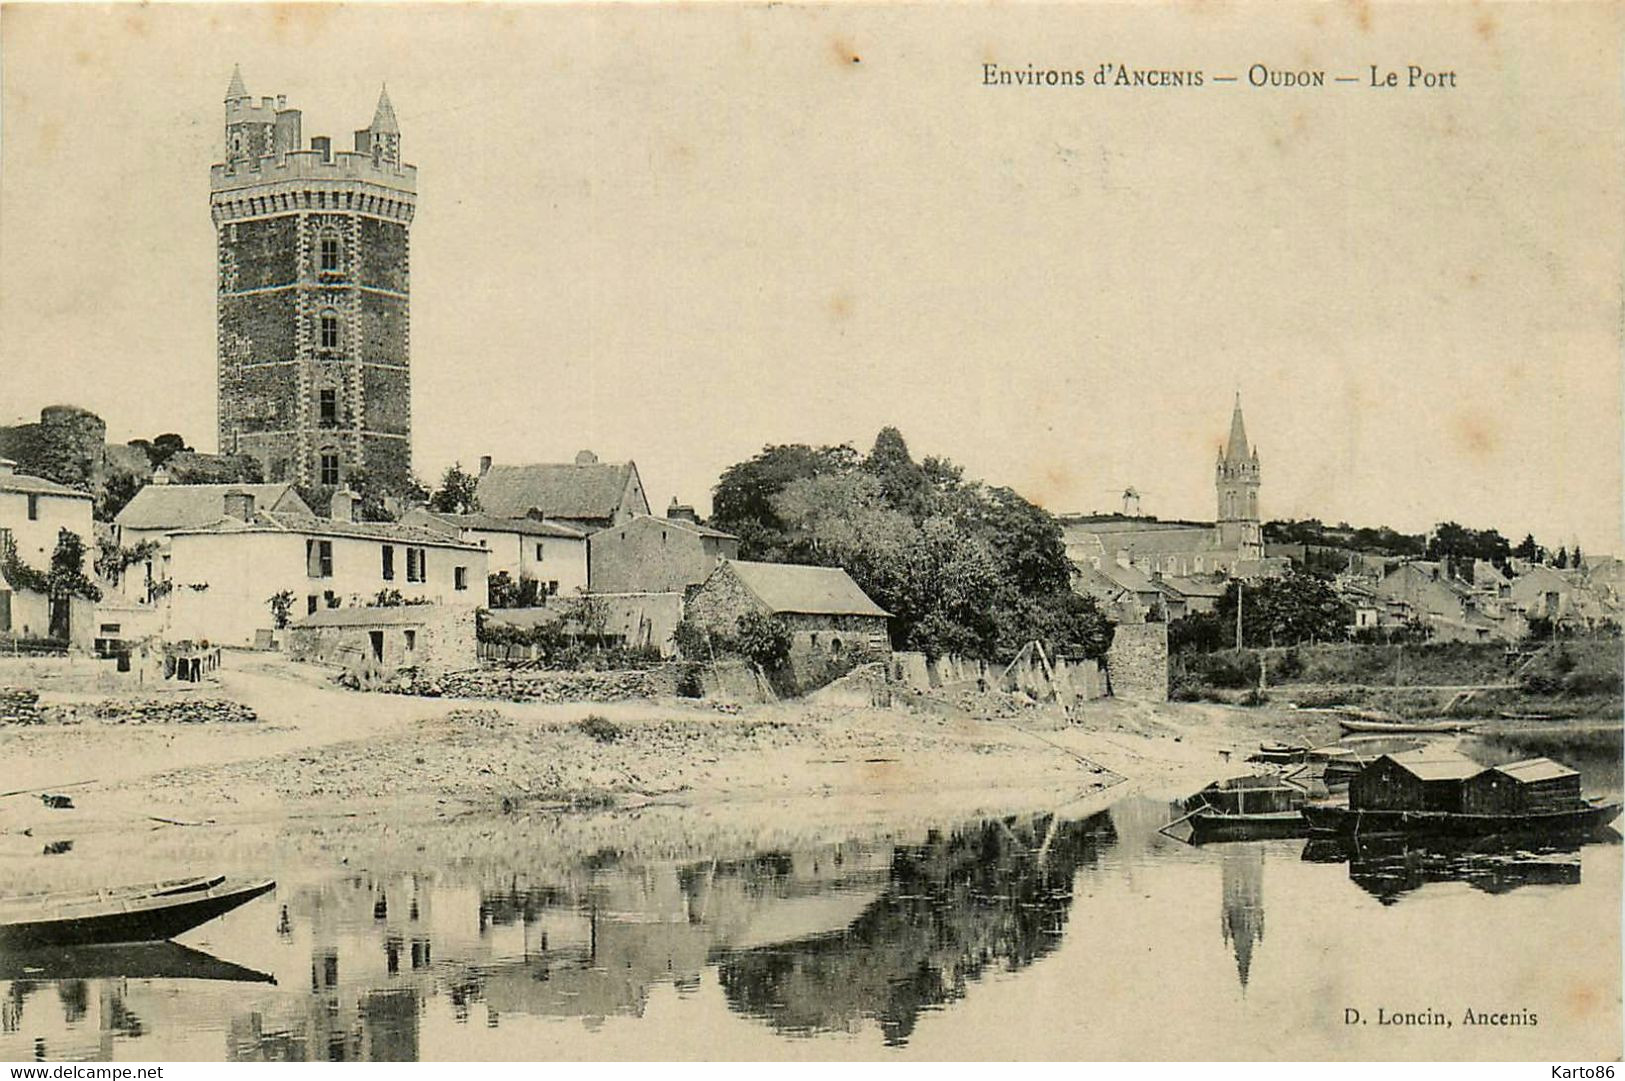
[645, 554]
[549, 553]
[431, 638]
[160, 508]
[828, 615]
[585, 494]
[216, 581]
[1425, 592]
[1562, 596]
[33, 514]
[34, 511]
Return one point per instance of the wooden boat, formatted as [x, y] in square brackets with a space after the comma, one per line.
[133, 961]
[1246, 809]
[1278, 753]
[1339, 818]
[1355, 724]
[150, 913]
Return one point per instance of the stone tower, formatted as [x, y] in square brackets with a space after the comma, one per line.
[313, 311]
[1236, 479]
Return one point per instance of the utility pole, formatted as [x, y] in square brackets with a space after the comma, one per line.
[1239, 595]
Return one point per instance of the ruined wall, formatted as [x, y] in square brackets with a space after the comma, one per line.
[1137, 663]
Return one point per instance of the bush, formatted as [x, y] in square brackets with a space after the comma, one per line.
[763, 639]
[1254, 697]
[600, 728]
[1288, 665]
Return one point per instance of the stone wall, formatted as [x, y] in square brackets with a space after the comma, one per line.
[1137, 663]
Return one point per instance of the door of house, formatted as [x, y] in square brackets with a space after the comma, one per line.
[5, 610]
[377, 646]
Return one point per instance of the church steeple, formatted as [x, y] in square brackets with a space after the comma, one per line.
[383, 118]
[236, 91]
[1236, 477]
[1236, 449]
[382, 138]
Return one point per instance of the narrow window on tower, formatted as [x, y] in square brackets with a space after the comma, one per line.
[329, 406]
[330, 467]
[330, 253]
[330, 330]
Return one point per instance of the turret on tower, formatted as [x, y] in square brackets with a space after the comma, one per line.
[1236, 479]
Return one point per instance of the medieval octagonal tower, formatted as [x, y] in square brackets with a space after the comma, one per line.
[313, 312]
[1236, 478]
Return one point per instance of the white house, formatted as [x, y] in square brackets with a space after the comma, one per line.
[217, 581]
[550, 552]
[33, 511]
[160, 508]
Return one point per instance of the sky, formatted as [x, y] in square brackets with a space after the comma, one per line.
[676, 235]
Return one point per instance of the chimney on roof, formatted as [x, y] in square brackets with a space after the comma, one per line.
[535, 514]
[160, 475]
[239, 505]
[682, 512]
[7, 467]
[344, 506]
[586, 457]
[485, 464]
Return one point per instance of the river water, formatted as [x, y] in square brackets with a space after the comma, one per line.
[1066, 933]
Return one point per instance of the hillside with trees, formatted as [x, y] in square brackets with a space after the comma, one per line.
[963, 567]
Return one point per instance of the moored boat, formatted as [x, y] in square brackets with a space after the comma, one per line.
[149, 913]
[1245, 809]
[1396, 727]
[1340, 819]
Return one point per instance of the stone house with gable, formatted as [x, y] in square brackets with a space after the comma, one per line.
[828, 615]
[645, 554]
[586, 494]
[550, 553]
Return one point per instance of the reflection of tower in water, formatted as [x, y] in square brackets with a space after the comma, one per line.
[1242, 918]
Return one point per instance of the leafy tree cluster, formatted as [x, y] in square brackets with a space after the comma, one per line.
[456, 492]
[962, 566]
[1295, 609]
[1312, 531]
[1453, 541]
[504, 592]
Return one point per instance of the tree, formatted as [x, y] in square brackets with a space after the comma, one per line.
[1527, 549]
[456, 494]
[67, 579]
[1286, 611]
[763, 639]
[166, 446]
[1562, 560]
[281, 604]
[742, 501]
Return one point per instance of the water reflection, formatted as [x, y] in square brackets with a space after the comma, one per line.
[994, 894]
[1242, 911]
[1391, 867]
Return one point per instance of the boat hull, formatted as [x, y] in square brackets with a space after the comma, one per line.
[1334, 818]
[129, 917]
[1208, 828]
[1401, 728]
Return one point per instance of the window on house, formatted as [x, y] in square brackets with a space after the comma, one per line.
[552, 589]
[330, 467]
[389, 562]
[330, 253]
[319, 558]
[538, 552]
[411, 641]
[330, 405]
[310, 604]
[459, 578]
[417, 565]
[330, 330]
[33, 507]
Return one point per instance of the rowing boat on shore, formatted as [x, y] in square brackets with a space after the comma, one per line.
[150, 913]
[1355, 724]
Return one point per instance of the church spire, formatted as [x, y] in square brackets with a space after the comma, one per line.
[236, 90]
[1236, 449]
[383, 118]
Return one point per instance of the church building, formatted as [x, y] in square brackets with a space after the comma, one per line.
[1231, 546]
[313, 292]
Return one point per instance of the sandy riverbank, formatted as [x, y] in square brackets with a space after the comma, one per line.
[320, 753]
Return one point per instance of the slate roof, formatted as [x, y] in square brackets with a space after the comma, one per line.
[192, 506]
[382, 616]
[490, 523]
[803, 590]
[1431, 764]
[32, 485]
[312, 525]
[1196, 587]
[675, 523]
[1531, 770]
[560, 490]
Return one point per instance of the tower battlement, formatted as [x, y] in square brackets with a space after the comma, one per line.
[315, 164]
